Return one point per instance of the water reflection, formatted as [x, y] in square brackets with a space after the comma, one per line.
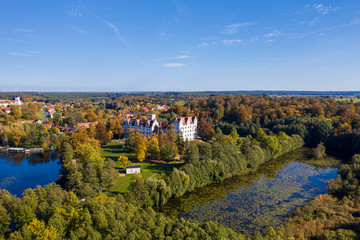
[256, 200]
[19, 171]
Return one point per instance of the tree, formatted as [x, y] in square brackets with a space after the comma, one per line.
[140, 146]
[192, 152]
[130, 140]
[101, 134]
[38, 230]
[138, 192]
[153, 148]
[108, 175]
[169, 151]
[205, 130]
[205, 150]
[16, 113]
[234, 134]
[320, 151]
[114, 125]
[123, 161]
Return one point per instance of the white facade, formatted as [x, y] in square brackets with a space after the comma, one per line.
[186, 127]
[17, 101]
[145, 126]
[133, 169]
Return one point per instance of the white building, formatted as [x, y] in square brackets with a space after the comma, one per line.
[145, 126]
[186, 127]
[17, 101]
[133, 169]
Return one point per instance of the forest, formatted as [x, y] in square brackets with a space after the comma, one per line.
[237, 133]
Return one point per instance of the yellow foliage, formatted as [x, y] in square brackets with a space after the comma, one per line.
[38, 230]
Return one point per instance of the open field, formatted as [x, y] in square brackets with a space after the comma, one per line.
[348, 99]
[114, 149]
[181, 102]
[122, 183]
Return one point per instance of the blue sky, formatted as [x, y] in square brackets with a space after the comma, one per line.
[178, 45]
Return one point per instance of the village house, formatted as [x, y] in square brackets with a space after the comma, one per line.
[47, 124]
[67, 128]
[133, 169]
[85, 124]
[6, 110]
[186, 127]
[6, 103]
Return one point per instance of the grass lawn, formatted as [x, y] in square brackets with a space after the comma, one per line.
[147, 169]
[348, 99]
[113, 150]
[181, 102]
[40, 115]
[167, 169]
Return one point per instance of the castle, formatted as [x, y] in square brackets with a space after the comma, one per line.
[186, 127]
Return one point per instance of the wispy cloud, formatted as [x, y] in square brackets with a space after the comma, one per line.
[203, 44]
[272, 34]
[320, 8]
[235, 28]
[167, 22]
[77, 11]
[231, 41]
[115, 29]
[19, 54]
[33, 52]
[173, 65]
[23, 54]
[182, 57]
[112, 26]
[356, 21]
[79, 30]
[180, 6]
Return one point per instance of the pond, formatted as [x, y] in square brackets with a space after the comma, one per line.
[19, 171]
[257, 200]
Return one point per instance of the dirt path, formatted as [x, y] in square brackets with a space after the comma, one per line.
[153, 175]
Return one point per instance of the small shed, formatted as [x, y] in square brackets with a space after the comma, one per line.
[133, 169]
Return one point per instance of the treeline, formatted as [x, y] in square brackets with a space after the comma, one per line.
[330, 216]
[84, 171]
[248, 112]
[333, 215]
[52, 213]
[211, 163]
[27, 135]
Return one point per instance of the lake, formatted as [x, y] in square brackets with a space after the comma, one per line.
[19, 171]
[257, 200]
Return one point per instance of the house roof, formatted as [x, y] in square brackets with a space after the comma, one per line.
[136, 166]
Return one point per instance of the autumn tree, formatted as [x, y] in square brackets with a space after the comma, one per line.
[153, 148]
[16, 112]
[205, 130]
[234, 133]
[114, 125]
[101, 134]
[123, 161]
[140, 146]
